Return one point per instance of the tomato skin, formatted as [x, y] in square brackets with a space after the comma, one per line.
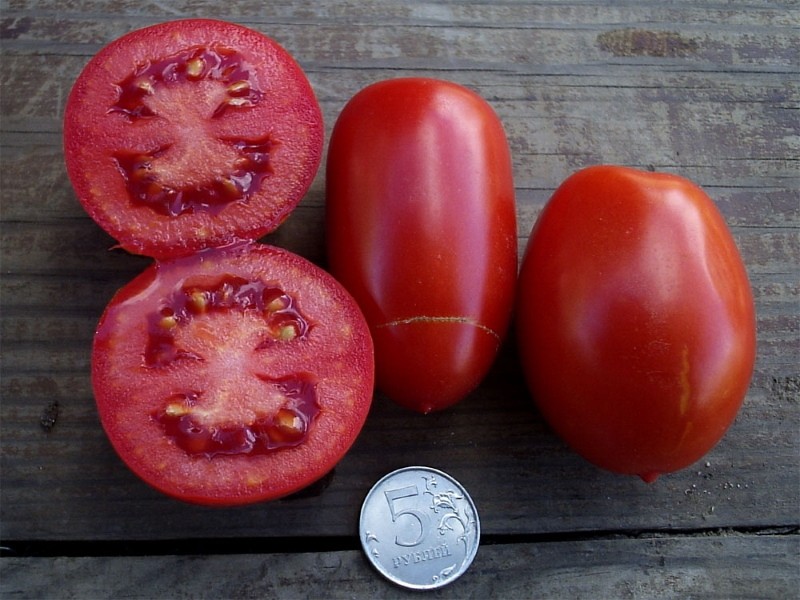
[421, 229]
[233, 375]
[636, 324]
[253, 137]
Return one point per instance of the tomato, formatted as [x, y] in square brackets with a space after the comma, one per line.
[421, 228]
[190, 134]
[234, 375]
[636, 323]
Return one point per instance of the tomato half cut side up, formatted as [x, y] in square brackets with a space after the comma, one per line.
[191, 134]
[421, 229]
[636, 322]
[234, 375]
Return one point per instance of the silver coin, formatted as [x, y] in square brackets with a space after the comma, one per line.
[419, 528]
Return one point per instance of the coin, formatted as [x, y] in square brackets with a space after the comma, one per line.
[419, 528]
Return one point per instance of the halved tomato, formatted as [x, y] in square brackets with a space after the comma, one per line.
[235, 375]
[190, 134]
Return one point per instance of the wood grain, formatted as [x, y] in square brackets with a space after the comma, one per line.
[708, 90]
[710, 567]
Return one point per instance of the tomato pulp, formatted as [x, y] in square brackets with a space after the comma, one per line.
[421, 229]
[635, 319]
[234, 375]
[190, 134]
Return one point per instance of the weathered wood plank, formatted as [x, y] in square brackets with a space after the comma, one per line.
[740, 566]
[515, 31]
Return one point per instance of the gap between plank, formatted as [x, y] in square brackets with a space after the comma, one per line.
[283, 545]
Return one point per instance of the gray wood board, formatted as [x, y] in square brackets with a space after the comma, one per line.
[722, 567]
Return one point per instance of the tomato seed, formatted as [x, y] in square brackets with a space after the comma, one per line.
[195, 68]
[277, 304]
[287, 427]
[286, 333]
[243, 164]
[168, 322]
[197, 301]
[176, 410]
[146, 86]
[239, 87]
[229, 187]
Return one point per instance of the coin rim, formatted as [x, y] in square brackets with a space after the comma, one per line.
[379, 567]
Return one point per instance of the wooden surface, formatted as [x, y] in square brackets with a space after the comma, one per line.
[705, 89]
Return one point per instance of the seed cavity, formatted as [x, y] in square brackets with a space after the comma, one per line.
[214, 63]
[185, 422]
[283, 321]
[246, 176]
[247, 173]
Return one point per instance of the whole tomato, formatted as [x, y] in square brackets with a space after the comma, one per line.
[635, 319]
[421, 229]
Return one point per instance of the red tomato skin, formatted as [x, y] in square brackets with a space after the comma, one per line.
[635, 319]
[288, 113]
[421, 229]
[337, 356]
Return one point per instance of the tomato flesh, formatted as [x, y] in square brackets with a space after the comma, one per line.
[235, 375]
[421, 229]
[191, 134]
[636, 324]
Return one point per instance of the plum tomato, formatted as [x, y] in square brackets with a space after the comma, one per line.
[233, 375]
[190, 134]
[636, 324]
[421, 229]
